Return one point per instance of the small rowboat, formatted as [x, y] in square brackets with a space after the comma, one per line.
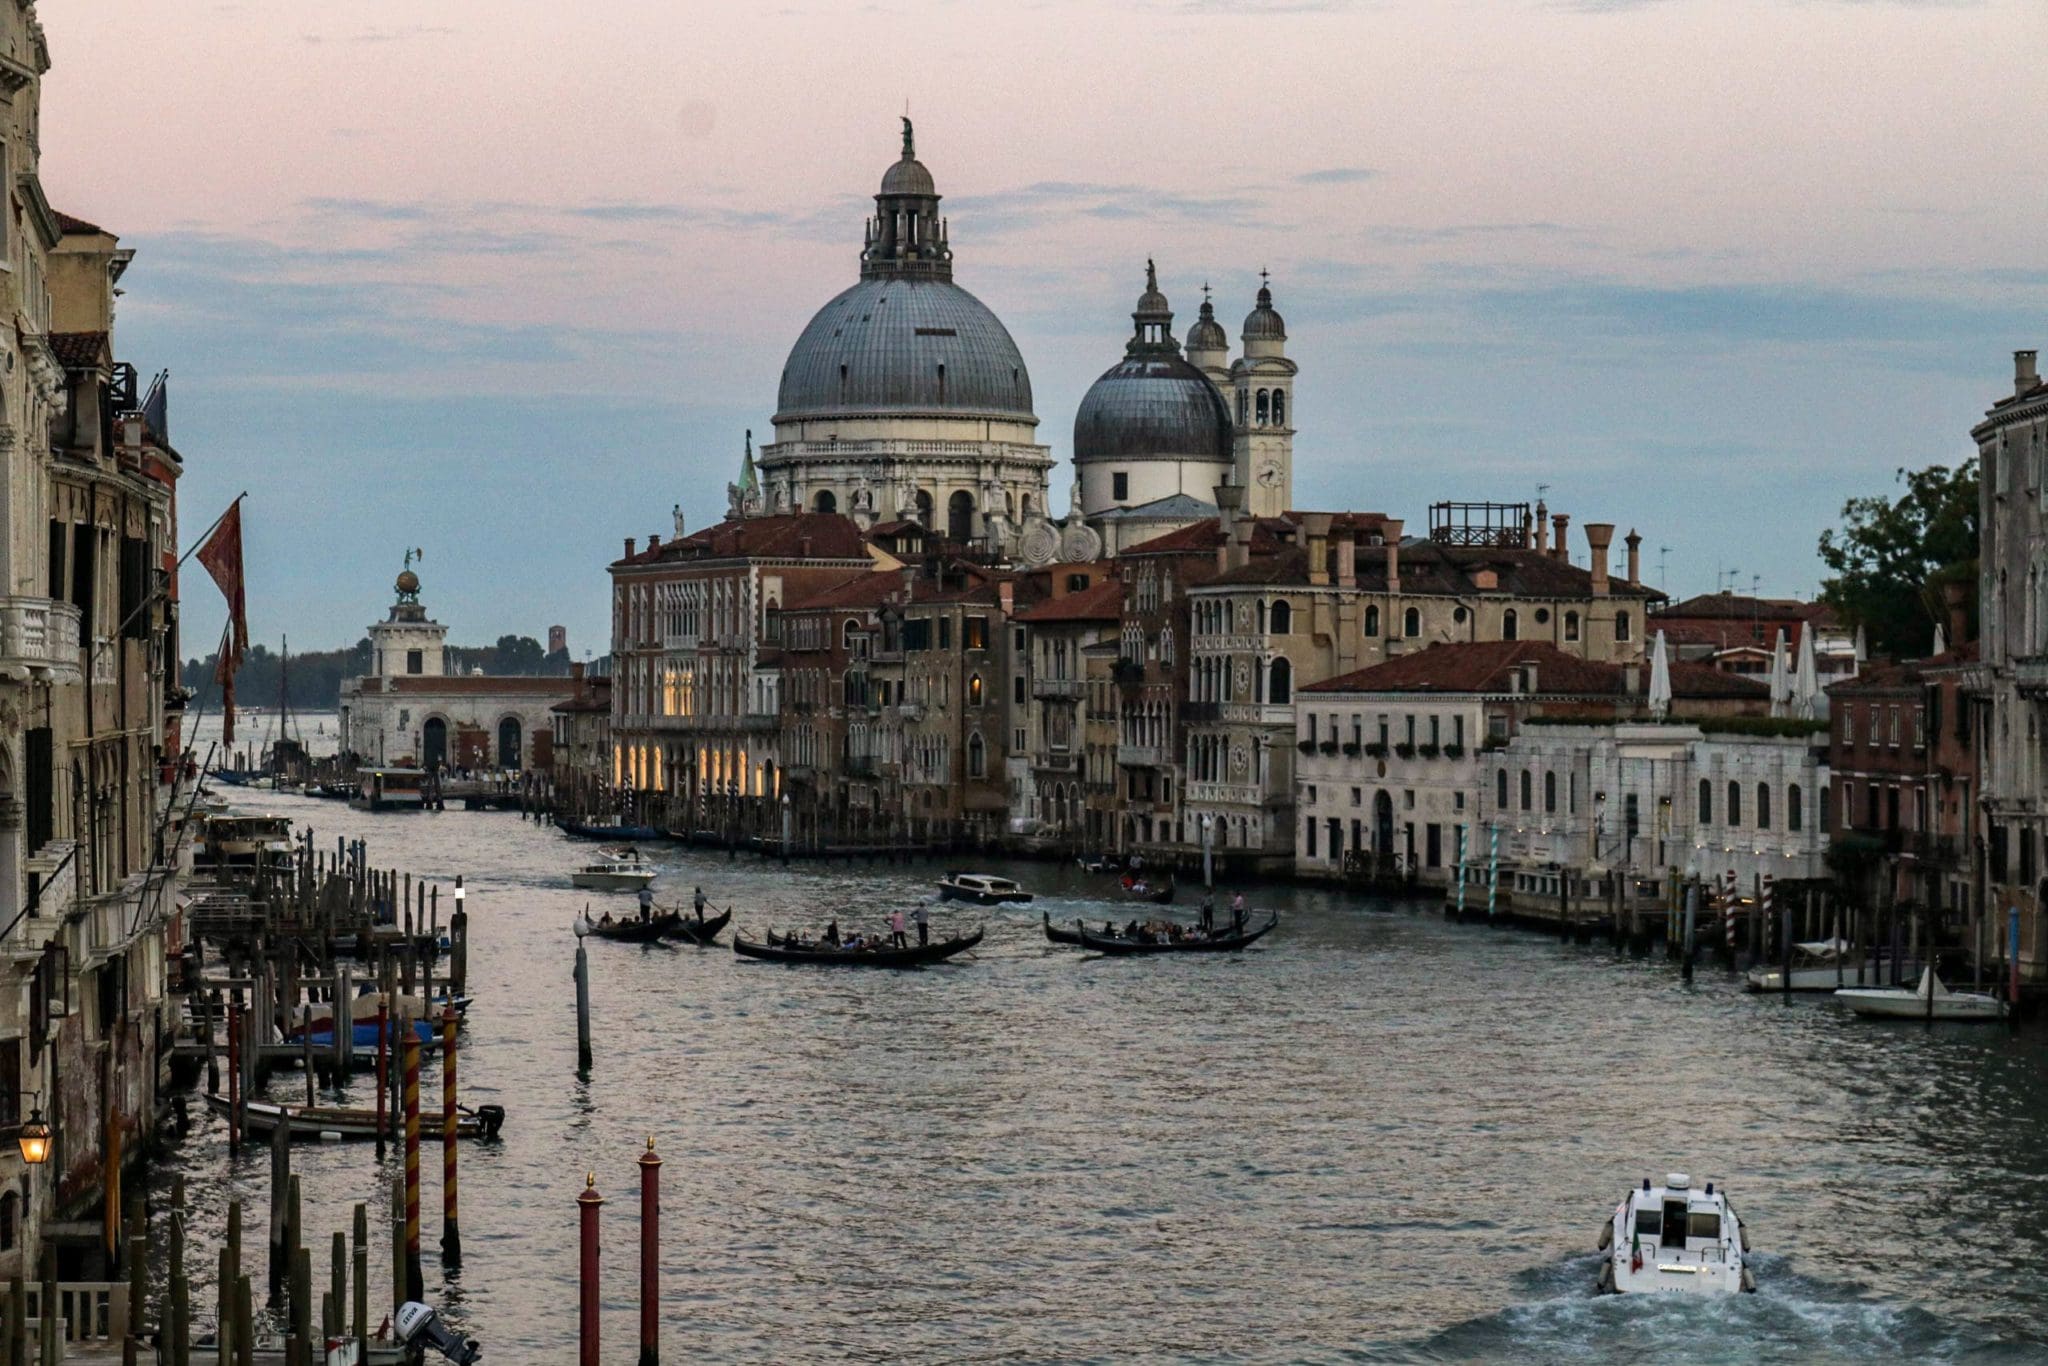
[983, 889]
[343, 1122]
[1122, 946]
[1157, 896]
[781, 951]
[706, 932]
[631, 930]
[1059, 936]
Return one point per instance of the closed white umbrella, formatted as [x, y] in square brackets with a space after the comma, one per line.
[1660, 680]
[1781, 677]
[1940, 640]
[1807, 698]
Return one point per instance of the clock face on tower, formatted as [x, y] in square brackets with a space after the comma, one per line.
[1269, 474]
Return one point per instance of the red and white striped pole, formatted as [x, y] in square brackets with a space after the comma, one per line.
[1765, 898]
[588, 1204]
[1728, 901]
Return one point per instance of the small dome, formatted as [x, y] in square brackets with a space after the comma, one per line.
[408, 582]
[1263, 323]
[1152, 405]
[1207, 334]
[908, 176]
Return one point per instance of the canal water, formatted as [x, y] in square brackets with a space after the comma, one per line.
[1376, 1137]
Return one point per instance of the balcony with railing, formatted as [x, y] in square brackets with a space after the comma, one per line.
[1140, 756]
[39, 639]
[1056, 687]
[2030, 675]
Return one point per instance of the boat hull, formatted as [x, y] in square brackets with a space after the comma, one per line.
[1901, 1004]
[690, 930]
[1058, 936]
[915, 956]
[949, 892]
[612, 882]
[578, 830]
[333, 1122]
[635, 931]
[1119, 947]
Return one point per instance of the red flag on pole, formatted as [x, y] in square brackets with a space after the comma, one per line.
[222, 556]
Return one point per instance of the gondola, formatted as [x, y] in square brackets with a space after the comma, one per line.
[686, 927]
[633, 930]
[335, 1121]
[1157, 896]
[1227, 943]
[914, 956]
[1059, 936]
[614, 833]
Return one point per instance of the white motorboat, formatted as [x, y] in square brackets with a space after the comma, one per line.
[1928, 1001]
[1673, 1239]
[983, 889]
[621, 870]
[1822, 965]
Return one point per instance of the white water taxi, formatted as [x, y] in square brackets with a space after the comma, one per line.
[983, 889]
[1823, 965]
[620, 871]
[1674, 1239]
[1928, 1001]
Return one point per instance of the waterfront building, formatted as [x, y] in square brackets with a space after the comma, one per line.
[841, 759]
[1053, 703]
[2012, 593]
[1397, 760]
[1739, 634]
[409, 710]
[582, 750]
[905, 397]
[696, 682]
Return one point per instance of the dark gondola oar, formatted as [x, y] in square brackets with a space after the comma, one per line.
[1059, 936]
[700, 932]
[916, 955]
[1120, 946]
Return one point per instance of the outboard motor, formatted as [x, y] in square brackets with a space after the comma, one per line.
[490, 1119]
[419, 1328]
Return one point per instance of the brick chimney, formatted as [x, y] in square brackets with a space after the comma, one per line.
[2024, 376]
[1542, 528]
[1347, 555]
[654, 541]
[1558, 523]
[1315, 528]
[1956, 597]
[1390, 532]
[1599, 536]
[1635, 556]
[629, 547]
[1229, 503]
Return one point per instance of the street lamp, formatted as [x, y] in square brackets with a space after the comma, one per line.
[35, 1139]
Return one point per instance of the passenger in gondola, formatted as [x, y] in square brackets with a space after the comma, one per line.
[832, 933]
[1131, 930]
[896, 939]
[605, 919]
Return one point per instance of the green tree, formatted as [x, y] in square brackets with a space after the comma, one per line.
[1891, 556]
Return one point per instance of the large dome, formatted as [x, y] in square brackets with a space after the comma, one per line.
[895, 346]
[1154, 406]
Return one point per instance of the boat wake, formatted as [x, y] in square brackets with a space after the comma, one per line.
[1790, 1318]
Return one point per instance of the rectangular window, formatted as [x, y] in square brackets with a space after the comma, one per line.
[945, 633]
[134, 623]
[917, 635]
[415, 661]
[1919, 729]
[1895, 727]
[2026, 856]
[1358, 796]
[1997, 855]
[85, 542]
[1458, 731]
[1120, 489]
[39, 787]
[1017, 690]
[59, 550]
[1410, 719]
[1433, 844]
[1308, 825]
[974, 633]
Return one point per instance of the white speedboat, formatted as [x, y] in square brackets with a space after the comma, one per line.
[1673, 1239]
[619, 871]
[983, 889]
[1928, 1001]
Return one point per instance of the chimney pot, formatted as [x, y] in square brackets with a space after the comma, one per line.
[1635, 556]
[1390, 532]
[1347, 555]
[1599, 536]
[654, 541]
[1558, 523]
[1542, 528]
[1315, 528]
[629, 547]
[2024, 375]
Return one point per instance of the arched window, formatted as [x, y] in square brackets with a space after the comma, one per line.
[1372, 621]
[977, 756]
[825, 501]
[1280, 687]
[1795, 814]
[1528, 791]
[1706, 802]
[847, 633]
[1279, 408]
[1283, 619]
[1550, 792]
[1500, 790]
[1244, 401]
[1763, 806]
[1510, 625]
[1262, 618]
[974, 690]
[1411, 623]
[1824, 800]
[924, 509]
[1621, 627]
[1735, 803]
[1571, 625]
[1264, 407]
[960, 516]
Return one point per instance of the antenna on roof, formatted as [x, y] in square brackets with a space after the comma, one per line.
[1663, 552]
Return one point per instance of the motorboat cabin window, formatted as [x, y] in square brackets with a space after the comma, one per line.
[1649, 1222]
[1704, 1223]
[1674, 1224]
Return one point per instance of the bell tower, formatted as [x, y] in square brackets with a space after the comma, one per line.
[1263, 416]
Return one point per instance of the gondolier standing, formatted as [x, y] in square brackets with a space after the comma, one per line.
[1209, 913]
[646, 903]
[924, 925]
[698, 900]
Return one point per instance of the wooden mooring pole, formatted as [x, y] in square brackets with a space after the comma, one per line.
[451, 1227]
[650, 1256]
[588, 1300]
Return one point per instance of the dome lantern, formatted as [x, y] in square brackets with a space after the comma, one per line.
[906, 239]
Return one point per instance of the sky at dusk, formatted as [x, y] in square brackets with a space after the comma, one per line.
[506, 279]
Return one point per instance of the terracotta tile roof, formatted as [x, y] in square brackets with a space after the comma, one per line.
[69, 224]
[1739, 610]
[80, 350]
[1207, 534]
[786, 536]
[474, 684]
[591, 704]
[869, 589]
[1430, 568]
[1489, 667]
[1100, 602]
